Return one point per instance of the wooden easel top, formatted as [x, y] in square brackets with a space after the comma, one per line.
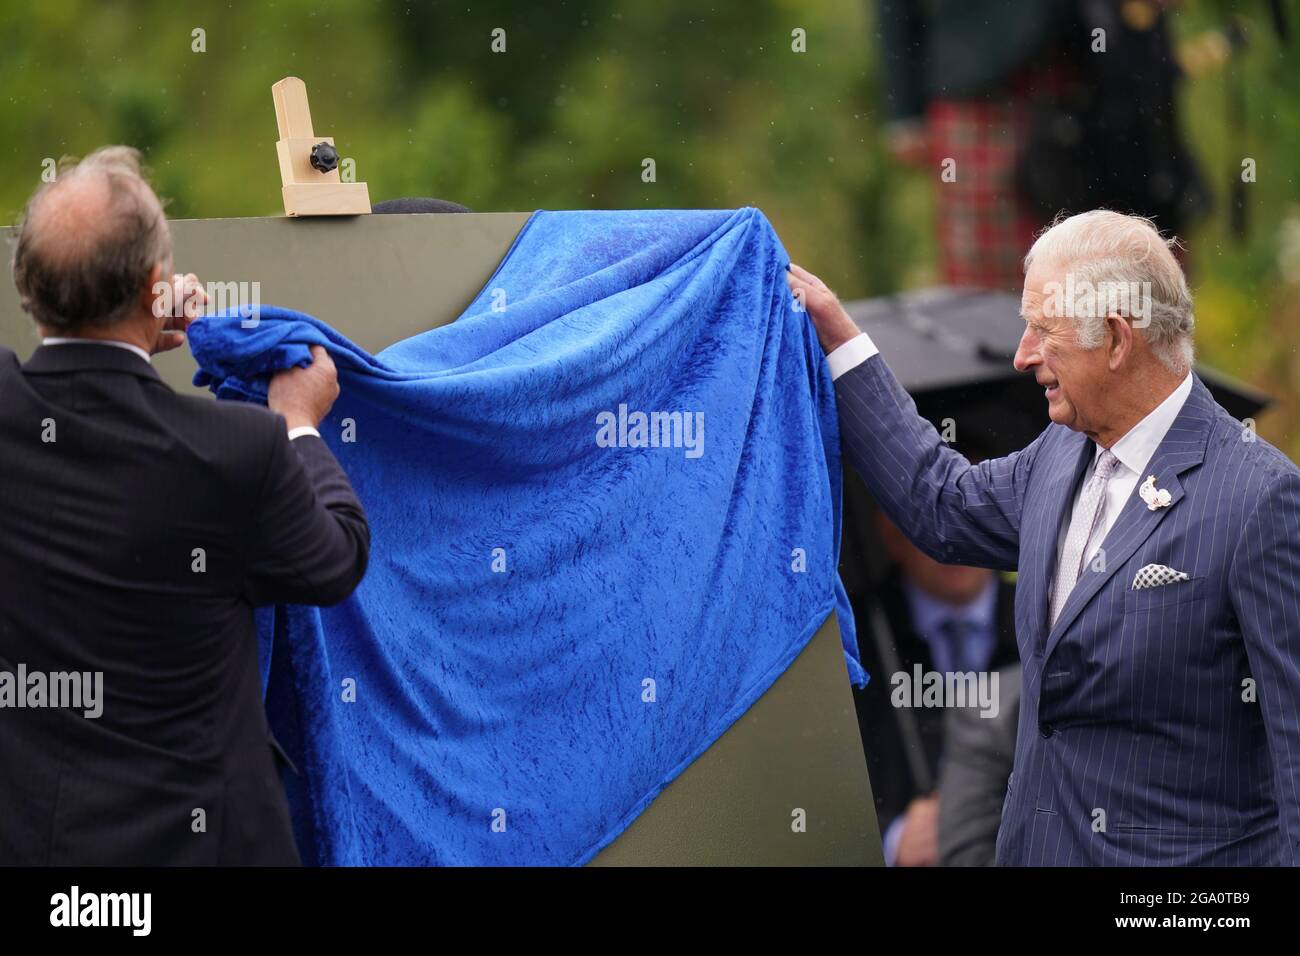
[292, 114]
[309, 190]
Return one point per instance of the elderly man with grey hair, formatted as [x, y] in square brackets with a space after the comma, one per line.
[139, 530]
[1157, 544]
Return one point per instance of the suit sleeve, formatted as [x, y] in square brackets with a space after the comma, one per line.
[311, 540]
[1265, 586]
[956, 512]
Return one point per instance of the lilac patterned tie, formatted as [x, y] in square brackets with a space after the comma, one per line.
[1086, 518]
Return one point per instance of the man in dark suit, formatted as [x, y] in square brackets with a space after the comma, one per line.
[945, 619]
[138, 530]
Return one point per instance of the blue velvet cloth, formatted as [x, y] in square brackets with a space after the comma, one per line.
[554, 623]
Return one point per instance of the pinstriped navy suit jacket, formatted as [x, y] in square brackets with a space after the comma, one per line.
[1135, 745]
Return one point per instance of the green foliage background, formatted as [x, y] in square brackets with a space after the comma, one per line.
[586, 90]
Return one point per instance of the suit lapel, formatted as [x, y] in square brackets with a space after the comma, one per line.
[1181, 449]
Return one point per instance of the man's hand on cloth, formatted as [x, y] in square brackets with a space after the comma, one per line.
[833, 325]
[304, 396]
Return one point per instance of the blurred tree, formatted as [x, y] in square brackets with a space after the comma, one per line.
[586, 91]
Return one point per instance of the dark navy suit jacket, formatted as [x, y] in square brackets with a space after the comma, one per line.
[1158, 725]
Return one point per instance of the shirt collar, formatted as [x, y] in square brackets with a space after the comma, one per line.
[929, 612]
[121, 345]
[1137, 447]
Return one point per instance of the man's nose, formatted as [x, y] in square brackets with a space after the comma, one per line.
[1026, 352]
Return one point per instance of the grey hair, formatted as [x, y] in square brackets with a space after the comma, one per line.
[73, 276]
[1108, 250]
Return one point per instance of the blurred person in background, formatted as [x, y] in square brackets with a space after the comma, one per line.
[978, 755]
[1024, 110]
[945, 618]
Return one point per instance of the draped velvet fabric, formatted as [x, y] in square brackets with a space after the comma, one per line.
[566, 604]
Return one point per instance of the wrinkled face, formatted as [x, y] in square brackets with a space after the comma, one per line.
[1073, 378]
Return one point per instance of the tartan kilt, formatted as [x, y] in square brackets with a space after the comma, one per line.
[983, 227]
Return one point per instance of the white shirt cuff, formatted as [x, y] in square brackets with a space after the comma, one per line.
[302, 430]
[851, 354]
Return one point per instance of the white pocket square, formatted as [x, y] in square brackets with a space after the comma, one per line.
[1158, 575]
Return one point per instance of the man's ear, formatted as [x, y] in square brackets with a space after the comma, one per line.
[157, 290]
[1121, 341]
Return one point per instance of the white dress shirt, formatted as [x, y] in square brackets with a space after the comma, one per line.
[117, 345]
[293, 432]
[851, 354]
[1134, 452]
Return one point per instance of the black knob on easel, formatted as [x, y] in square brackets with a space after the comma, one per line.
[324, 157]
